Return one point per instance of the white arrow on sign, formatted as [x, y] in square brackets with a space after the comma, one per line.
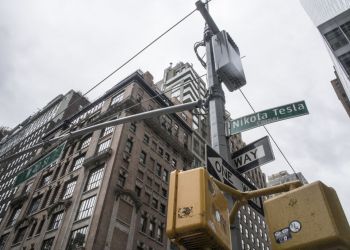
[223, 172]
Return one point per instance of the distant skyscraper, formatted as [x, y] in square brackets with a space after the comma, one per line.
[283, 177]
[332, 19]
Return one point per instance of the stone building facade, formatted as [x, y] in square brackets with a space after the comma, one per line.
[109, 188]
[27, 134]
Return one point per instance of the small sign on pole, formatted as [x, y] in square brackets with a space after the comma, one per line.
[267, 116]
[44, 162]
[253, 155]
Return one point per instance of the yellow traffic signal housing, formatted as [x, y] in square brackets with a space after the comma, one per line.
[309, 217]
[198, 215]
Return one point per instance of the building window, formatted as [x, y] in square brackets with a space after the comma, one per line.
[336, 39]
[167, 156]
[78, 163]
[146, 139]
[20, 235]
[152, 228]
[47, 244]
[345, 61]
[246, 233]
[128, 145]
[95, 178]
[35, 204]
[164, 192]
[45, 180]
[143, 156]
[86, 208]
[32, 229]
[155, 203]
[3, 240]
[160, 233]
[132, 127]
[245, 218]
[56, 220]
[160, 151]
[85, 143]
[158, 169]
[107, 131]
[121, 180]
[173, 163]
[77, 238]
[69, 189]
[143, 223]
[138, 191]
[117, 98]
[257, 242]
[40, 226]
[165, 175]
[162, 208]
[104, 145]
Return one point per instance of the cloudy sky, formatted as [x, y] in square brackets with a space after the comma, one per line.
[50, 47]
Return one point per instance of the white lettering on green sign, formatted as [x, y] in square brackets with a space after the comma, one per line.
[267, 116]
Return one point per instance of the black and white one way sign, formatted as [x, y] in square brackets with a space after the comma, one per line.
[253, 155]
[223, 172]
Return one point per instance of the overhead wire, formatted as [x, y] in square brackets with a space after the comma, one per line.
[125, 63]
[41, 144]
[272, 138]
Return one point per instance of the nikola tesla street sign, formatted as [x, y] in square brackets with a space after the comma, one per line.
[223, 172]
[267, 116]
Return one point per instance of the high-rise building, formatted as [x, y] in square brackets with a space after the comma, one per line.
[26, 135]
[184, 83]
[107, 189]
[332, 19]
[283, 177]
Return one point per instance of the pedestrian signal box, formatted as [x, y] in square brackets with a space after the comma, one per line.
[309, 217]
[198, 215]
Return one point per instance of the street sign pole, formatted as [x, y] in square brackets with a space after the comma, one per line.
[217, 108]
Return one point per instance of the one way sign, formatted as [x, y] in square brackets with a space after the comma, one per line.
[253, 155]
[223, 172]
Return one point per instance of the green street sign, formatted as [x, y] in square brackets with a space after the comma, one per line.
[44, 162]
[267, 116]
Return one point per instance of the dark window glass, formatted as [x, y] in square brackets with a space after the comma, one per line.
[133, 127]
[143, 223]
[146, 139]
[165, 175]
[77, 238]
[47, 244]
[336, 39]
[121, 180]
[20, 235]
[346, 29]
[143, 156]
[345, 61]
[128, 145]
[35, 204]
[158, 169]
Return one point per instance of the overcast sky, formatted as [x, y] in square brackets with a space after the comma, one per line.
[50, 47]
